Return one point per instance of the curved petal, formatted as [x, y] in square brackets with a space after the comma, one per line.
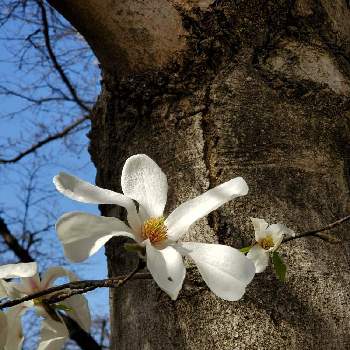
[80, 311]
[3, 289]
[167, 269]
[82, 191]
[53, 273]
[187, 213]
[3, 330]
[277, 232]
[143, 180]
[53, 335]
[10, 290]
[260, 258]
[14, 325]
[224, 269]
[260, 226]
[18, 270]
[82, 235]
[28, 285]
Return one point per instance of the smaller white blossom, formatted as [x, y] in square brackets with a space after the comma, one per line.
[53, 331]
[268, 238]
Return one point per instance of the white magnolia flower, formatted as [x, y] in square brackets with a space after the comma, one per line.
[53, 332]
[268, 239]
[12, 271]
[225, 270]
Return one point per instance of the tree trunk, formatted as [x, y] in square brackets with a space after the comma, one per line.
[258, 89]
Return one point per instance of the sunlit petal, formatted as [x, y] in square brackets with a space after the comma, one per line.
[82, 235]
[260, 258]
[167, 269]
[143, 180]
[82, 191]
[53, 335]
[14, 325]
[79, 311]
[224, 269]
[260, 226]
[18, 270]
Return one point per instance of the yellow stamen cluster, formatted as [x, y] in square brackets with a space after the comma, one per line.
[154, 229]
[266, 242]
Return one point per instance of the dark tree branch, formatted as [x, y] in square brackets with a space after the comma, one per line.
[76, 287]
[54, 60]
[45, 141]
[13, 244]
[76, 333]
[316, 233]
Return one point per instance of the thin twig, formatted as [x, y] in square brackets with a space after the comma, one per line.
[107, 283]
[77, 287]
[53, 137]
[316, 232]
[54, 60]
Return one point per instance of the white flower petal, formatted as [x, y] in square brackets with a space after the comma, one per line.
[18, 270]
[3, 330]
[82, 191]
[14, 325]
[28, 285]
[278, 231]
[260, 226]
[80, 311]
[187, 213]
[78, 303]
[143, 180]
[260, 258]
[3, 292]
[224, 269]
[53, 273]
[167, 269]
[53, 335]
[82, 235]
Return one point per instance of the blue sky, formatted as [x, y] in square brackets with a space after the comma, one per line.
[20, 129]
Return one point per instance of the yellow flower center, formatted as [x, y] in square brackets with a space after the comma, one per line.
[266, 242]
[154, 229]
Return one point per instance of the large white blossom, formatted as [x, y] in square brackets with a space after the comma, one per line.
[53, 331]
[225, 270]
[268, 238]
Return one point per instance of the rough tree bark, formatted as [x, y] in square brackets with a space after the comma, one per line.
[214, 90]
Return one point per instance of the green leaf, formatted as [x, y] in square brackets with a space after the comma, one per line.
[245, 249]
[280, 267]
[62, 307]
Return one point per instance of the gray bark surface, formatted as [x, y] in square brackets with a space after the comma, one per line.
[261, 91]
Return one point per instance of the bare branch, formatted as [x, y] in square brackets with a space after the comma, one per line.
[53, 58]
[13, 244]
[45, 141]
[77, 287]
[316, 233]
